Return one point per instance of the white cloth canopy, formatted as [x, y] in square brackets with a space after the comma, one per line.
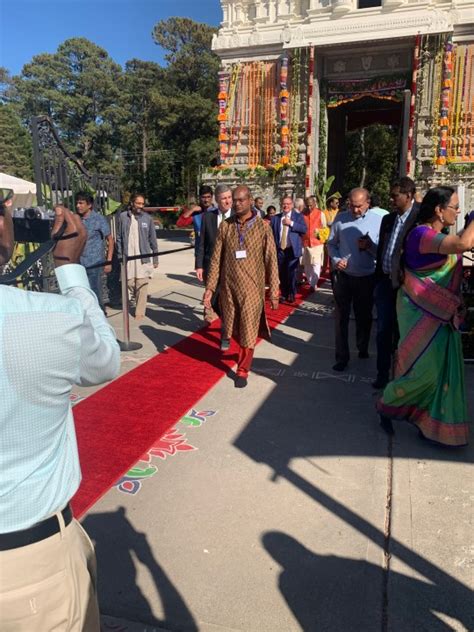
[18, 185]
[24, 192]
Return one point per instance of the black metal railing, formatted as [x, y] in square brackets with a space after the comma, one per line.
[59, 175]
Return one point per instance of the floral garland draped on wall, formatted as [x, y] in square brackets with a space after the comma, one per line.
[460, 146]
[448, 76]
[262, 111]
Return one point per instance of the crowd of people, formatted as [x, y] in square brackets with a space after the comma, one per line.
[243, 251]
[407, 262]
[403, 263]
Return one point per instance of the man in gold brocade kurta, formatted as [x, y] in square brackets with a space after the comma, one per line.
[243, 262]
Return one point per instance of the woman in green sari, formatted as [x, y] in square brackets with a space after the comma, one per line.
[428, 389]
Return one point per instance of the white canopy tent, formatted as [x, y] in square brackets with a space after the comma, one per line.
[24, 191]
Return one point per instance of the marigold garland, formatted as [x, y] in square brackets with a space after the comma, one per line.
[445, 101]
[436, 91]
[460, 119]
[309, 129]
[222, 116]
[284, 98]
[411, 124]
[295, 106]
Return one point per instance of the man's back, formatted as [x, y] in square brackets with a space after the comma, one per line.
[48, 343]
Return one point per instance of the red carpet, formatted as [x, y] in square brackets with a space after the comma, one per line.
[119, 423]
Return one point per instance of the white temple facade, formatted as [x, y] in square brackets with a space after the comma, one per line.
[297, 74]
[249, 25]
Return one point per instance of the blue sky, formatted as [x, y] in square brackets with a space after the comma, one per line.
[122, 27]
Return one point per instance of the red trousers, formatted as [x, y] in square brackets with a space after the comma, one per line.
[245, 361]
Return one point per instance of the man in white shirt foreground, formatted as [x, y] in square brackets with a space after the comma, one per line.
[48, 343]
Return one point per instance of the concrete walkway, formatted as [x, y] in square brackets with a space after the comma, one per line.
[293, 511]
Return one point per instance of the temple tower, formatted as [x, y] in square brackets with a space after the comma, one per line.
[297, 75]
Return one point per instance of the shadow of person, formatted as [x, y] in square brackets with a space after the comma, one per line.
[189, 279]
[335, 594]
[118, 544]
[203, 346]
[161, 333]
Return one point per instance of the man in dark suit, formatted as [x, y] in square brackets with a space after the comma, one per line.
[288, 228]
[211, 220]
[393, 230]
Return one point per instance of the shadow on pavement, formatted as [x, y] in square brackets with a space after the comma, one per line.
[119, 549]
[314, 412]
[160, 333]
[326, 592]
[188, 279]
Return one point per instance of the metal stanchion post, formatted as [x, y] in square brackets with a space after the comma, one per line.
[126, 345]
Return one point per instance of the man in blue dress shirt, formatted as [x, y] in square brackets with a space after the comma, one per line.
[352, 247]
[48, 343]
[98, 233]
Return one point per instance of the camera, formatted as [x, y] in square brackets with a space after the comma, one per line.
[30, 225]
[33, 224]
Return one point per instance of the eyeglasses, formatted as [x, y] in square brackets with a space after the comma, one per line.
[455, 208]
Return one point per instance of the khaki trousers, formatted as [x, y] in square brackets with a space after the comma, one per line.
[50, 585]
[138, 290]
[312, 260]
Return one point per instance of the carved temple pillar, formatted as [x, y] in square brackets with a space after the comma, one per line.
[342, 6]
[283, 8]
[272, 10]
[238, 17]
[225, 15]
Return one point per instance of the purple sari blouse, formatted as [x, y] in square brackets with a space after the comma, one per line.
[420, 249]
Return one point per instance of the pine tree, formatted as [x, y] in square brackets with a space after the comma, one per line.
[15, 144]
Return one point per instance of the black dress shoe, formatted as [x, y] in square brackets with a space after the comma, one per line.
[291, 299]
[339, 366]
[380, 383]
[282, 299]
[240, 382]
[363, 355]
[386, 425]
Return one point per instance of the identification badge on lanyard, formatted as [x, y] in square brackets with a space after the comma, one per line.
[241, 254]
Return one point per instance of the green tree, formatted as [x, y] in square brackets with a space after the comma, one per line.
[78, 87]
[15, 144]
[372, 159]
[186, 106]
[192, 65]
[153, 125]
[139, 135]
[5, 85]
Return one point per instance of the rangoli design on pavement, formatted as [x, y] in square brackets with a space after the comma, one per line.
[170, 444]
[313, 375]
[196, 419]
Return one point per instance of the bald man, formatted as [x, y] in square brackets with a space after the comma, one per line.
[352, 248]
[243, 261]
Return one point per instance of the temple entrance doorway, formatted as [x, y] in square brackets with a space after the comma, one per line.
[364, 142]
